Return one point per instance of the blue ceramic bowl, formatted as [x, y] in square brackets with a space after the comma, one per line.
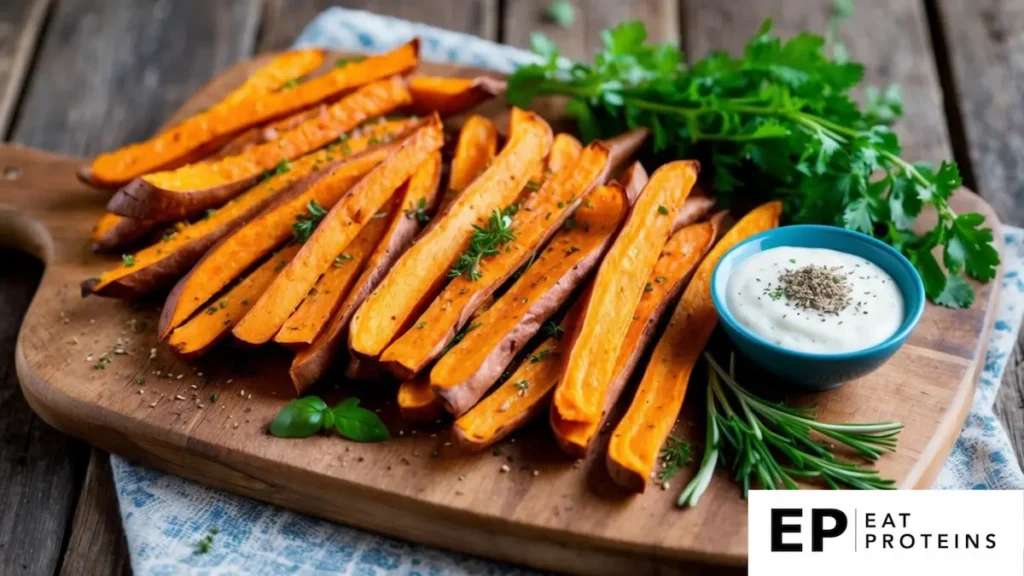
[813, 371]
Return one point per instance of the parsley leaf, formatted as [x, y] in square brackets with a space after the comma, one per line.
[305, 224]
[777, 120]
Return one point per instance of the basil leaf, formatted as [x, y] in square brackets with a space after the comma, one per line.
[359, 424]
[301, 418]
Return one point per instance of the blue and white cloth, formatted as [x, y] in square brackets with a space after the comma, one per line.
[165, 516]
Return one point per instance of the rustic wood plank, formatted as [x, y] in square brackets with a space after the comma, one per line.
[583, 37]
[40, 468]
[107, 73]
[986, 54]
[21, 22]
[284, 19]
[97, 545]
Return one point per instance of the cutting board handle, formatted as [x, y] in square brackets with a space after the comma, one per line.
[44, 209]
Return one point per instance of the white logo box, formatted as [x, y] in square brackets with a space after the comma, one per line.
[887, 532]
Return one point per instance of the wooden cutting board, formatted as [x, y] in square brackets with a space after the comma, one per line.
[208, 421]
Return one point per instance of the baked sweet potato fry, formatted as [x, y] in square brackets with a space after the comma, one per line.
[113, 232]
[162, 263]
[178, 145]
[195, 337]
[188, 190]
[474, 151]
[678, 259]
[421, 196]
[269, 229]
[522, 396]
[309, 319]
[336, 231]
[465, 372]
[565, 150]
[420, 271]
[618, 287]
[636, 441]
[541, 214]
[283, 68]
[417, 402]
[448, 96]
[271, 131]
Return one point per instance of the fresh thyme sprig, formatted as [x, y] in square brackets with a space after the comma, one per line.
[778, 119]
[486, 241]
[305, 224]
[673, 455]
[418, 211]
[755, 436]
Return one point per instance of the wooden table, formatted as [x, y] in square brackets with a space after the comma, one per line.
[82, 76]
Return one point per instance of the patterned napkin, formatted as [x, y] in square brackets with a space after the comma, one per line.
[166, 517]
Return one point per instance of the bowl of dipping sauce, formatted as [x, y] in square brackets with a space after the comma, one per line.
[817, 305]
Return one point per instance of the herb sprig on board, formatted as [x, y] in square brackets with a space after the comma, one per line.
[778, 119]
[771, 445]
[486, 241]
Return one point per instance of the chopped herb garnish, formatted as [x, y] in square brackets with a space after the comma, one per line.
[291, 84]
[223, 304]
[458, 337]
[342, 258]
[553, 330]
[421, 325]
[540, 355]
[485, 242]
[342, 62]
[648, 287]
[532, 186]
[305, 224]
[418, 211]
[662, 210]
[659, 279]
[521, 386]
[128, 260]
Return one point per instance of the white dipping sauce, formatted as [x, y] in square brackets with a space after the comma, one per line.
[873, 310]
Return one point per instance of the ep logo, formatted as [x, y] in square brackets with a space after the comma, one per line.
[820, 524]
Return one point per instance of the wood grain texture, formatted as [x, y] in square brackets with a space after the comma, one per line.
[580, 40]
[97, 544]
[106, 73]
[568, 517]
[40, 468]
[284, 19]
[110, 71]
[985, 46]
[21, 22]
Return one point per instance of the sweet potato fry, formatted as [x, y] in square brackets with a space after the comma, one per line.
[522, 396]
[465, 372]
[634, 445]
[112, 232]
[420, 271]
[337, 230]
[421, 196]
[188, 190]
[283, 68]
[174, 147]
[195, 337]
[680, 256]
[618, 287]
[541, 215]
[474, 151]
[565, 150]
[271, 131]
[448, 96]
[160, 264]
[417, 402]
[303, 326]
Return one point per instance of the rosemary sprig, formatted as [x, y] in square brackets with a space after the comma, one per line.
[756, 436]
[486, 241]
[305, 224]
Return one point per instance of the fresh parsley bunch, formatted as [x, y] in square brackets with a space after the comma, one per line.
[778, 119]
